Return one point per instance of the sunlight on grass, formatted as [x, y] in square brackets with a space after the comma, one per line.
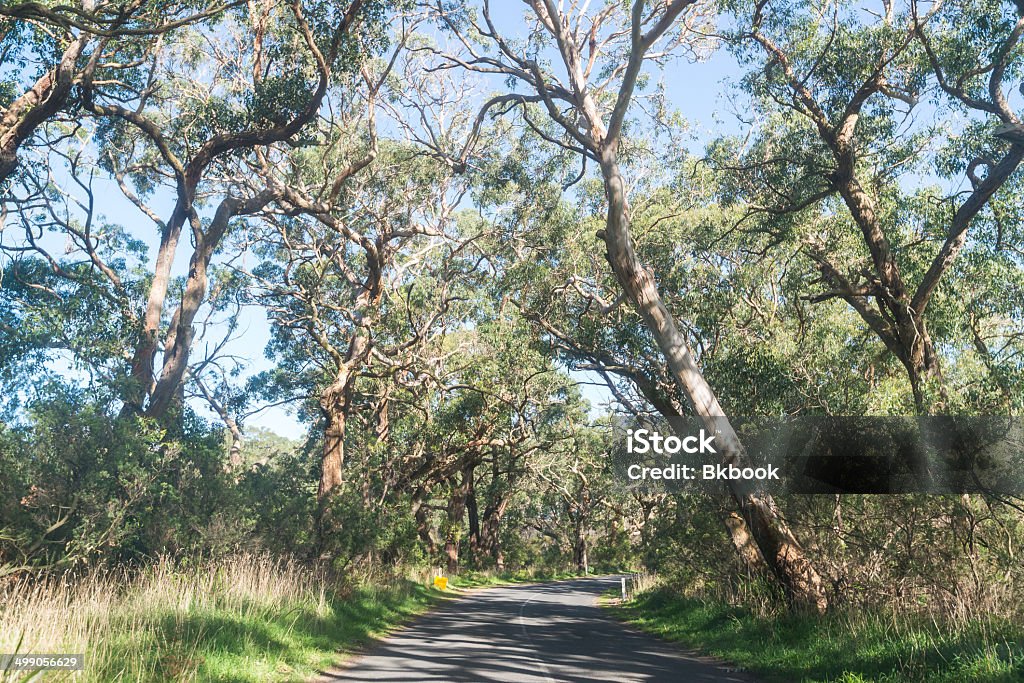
[245, 619]
[840, 648]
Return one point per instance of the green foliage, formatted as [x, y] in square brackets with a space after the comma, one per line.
[915, 143]
[80, 487]
[277, 494]
[482, 292]
[47, 316]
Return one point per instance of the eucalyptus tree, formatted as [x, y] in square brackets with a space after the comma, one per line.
[600, 55]
[890, 153]
[359, 225]
[182, 120]
[767, 352]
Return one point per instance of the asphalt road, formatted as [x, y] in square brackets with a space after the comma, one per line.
[530, 634]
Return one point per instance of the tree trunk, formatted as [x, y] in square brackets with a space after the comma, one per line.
[580, 548]
[777, 543]
[924, 371]
[491, 530]
[472, 514]
[744, 544]
[179, 340]
[668, 407]
[456, 509]
[334, 404]
[420, 512]
[904, 331]
[145, 350]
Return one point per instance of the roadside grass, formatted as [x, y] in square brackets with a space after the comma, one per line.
[245, 619]
[841, 648]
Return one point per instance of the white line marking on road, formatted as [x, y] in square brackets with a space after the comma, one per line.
[522, 625]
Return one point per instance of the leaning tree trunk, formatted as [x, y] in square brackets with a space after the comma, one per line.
[779, 547]
[744, 543]
[734, 524]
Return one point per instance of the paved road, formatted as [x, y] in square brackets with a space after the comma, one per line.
[530, 634]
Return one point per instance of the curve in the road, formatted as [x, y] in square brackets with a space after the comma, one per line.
[539, 633]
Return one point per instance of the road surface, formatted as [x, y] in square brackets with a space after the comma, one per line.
[530, 634]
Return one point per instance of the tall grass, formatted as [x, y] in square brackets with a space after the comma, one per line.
[244, 618]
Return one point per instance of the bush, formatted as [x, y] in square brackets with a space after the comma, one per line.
[82, 486]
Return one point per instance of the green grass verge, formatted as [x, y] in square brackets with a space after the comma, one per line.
[251, 618]
[845, 648]
[248, 642]
[244, 642]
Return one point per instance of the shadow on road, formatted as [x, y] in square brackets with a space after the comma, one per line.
[527, 634]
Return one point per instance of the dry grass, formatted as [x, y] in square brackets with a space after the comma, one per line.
[244, 618]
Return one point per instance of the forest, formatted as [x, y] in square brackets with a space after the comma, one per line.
[306, 302]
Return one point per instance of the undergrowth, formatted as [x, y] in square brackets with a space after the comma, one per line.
[883, 646]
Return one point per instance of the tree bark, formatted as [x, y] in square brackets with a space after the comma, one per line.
[456, 510]
[234, 429]
[744, 543]
[472, 513]
[667, 406]
[334, 405]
